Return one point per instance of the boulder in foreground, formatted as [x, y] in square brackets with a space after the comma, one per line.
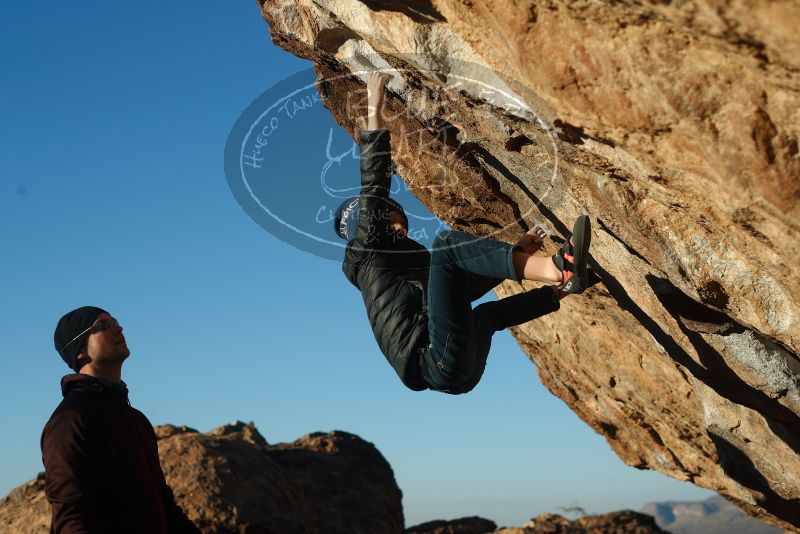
[231, 480]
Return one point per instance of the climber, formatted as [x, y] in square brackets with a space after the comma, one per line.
[102, 472]
[419, 302]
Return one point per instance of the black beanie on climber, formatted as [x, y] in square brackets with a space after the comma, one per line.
[345, 222]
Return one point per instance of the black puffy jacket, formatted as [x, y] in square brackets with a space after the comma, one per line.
[390, 270]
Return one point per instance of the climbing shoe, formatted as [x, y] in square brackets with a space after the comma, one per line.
[572, 257]
[593, 277]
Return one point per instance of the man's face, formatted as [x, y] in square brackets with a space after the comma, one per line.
[108, 344]
[397, 223]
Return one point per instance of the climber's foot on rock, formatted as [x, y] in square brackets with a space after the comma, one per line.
[594, 278]
[571, 260]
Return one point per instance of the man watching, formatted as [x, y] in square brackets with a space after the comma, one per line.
[102, 472]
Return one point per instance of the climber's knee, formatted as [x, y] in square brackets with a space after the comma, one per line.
[455, 387]
[454, 367]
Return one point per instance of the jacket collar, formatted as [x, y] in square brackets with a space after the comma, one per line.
[94, 385]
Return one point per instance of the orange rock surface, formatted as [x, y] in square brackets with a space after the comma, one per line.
[674, 125]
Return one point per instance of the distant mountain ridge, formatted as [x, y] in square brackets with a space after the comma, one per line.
[714, 515]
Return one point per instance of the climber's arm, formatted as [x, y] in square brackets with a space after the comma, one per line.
[376, 169]
[376, 99]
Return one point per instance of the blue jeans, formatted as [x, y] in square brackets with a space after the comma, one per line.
[464, 268]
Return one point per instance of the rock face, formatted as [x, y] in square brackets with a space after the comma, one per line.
[26, 509]
[711, 516]
[231, 480]
[674, 125]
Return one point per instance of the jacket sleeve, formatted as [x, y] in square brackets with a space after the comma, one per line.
[68, 486]
[376, 175]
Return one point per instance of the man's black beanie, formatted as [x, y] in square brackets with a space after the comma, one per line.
[69, 326]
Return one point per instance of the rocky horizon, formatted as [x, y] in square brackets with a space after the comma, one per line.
[231, 480]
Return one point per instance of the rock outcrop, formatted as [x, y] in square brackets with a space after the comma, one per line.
[463, 525]
[231, 480]
[25, 509]
[622, 522]
[674, 124]
[625, 521]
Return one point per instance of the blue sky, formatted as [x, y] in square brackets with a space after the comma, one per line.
[112, 193]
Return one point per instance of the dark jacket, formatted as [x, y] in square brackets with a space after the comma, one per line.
[390, 271]
[102, 473]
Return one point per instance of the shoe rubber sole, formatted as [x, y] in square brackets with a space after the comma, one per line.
[581, 239]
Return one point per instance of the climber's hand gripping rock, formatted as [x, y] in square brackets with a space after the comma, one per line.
[376, 99]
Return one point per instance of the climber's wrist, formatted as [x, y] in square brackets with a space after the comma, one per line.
[375, 119]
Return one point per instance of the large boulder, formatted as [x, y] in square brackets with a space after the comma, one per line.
[25, 509]
[674, 125]
[231, 480]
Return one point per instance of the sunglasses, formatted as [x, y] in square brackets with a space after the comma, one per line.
[99, 326]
